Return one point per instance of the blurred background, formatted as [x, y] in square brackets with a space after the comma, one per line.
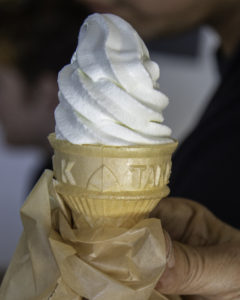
[36, 40]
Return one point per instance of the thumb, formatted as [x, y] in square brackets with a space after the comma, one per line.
[206, 271]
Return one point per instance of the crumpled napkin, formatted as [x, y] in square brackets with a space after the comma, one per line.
[57, 259]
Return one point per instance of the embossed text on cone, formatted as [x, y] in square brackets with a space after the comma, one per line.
[111, 185]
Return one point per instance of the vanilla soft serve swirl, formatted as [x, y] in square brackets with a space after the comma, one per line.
[109, 94]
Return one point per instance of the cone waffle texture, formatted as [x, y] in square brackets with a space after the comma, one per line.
[111, 185]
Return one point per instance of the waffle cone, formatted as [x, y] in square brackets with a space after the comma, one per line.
[111, 185]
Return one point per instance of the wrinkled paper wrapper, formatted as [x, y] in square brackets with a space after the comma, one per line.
[57, 260]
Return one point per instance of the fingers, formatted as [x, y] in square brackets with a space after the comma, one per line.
[191, 223]
[213, 272]
[205, 261]
[175, 214]
[169, 250]
[179, 278]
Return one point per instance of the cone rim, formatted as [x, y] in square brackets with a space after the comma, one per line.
[111, 150]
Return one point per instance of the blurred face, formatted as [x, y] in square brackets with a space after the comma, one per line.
[26, 112]
[152, 17]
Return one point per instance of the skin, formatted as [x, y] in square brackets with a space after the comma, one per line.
[159, 17]
[204, 253]
[26, 111]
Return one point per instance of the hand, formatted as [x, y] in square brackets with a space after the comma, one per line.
[204, 255]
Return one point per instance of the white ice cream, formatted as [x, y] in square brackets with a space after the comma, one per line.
[109, 93]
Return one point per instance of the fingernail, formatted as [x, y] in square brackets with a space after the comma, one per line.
[169, 250]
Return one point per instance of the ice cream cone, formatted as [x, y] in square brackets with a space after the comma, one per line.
[112, 185]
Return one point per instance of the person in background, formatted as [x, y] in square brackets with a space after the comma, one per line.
[36, 40]
[204, 252]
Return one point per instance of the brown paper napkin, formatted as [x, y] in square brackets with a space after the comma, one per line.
[56, 259]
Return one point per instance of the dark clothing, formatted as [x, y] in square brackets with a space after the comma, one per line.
[206, 167]
[47, 164]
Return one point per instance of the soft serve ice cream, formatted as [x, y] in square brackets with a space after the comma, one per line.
[109, 93]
